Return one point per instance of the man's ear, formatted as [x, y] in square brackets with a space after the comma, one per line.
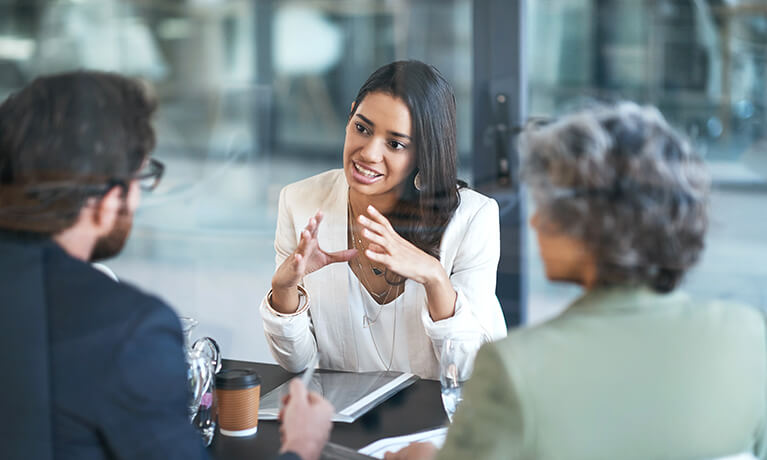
[107, 209]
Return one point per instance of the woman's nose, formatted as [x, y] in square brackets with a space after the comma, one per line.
[372, 152]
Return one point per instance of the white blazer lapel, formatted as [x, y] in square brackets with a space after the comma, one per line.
[333, 231]
[332, 237]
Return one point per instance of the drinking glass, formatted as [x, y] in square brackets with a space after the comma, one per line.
[203, 359]
[456, 364]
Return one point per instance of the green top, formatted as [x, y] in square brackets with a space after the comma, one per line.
[623, 373]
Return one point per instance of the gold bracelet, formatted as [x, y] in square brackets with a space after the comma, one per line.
[303, 303]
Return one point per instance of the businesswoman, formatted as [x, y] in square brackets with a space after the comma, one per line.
[379, 262]
[634, 368]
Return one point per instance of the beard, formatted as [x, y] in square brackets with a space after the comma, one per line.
[112, 243]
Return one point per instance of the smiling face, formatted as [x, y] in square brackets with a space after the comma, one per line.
[378, 150]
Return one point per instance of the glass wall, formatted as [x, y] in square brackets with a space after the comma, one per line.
[703, 63]
[253, 95]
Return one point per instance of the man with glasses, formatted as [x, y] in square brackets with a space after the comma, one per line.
[92, 368]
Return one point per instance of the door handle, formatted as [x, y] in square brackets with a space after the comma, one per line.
[498, 133]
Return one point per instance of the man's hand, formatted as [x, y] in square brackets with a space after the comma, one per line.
[415, 451]
[305, 422]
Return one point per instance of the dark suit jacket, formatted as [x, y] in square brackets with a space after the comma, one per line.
[117, 375]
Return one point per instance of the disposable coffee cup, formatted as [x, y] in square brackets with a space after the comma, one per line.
[237, 393]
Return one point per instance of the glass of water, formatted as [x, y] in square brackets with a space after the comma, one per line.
[455, 365]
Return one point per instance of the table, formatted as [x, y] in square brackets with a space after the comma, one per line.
[413, 409]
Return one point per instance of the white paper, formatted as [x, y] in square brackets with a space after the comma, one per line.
[380, 447]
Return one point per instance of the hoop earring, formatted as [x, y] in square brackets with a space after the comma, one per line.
[417, 181]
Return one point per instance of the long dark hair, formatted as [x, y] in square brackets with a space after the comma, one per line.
[421, 216]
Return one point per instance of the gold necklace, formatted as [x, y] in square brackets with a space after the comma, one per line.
[393, 338]
[367, 323]
[358, 245]
[357, 242]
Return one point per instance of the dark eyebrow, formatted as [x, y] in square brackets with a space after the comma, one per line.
[393, 133]
[404, 136]
[366, 119]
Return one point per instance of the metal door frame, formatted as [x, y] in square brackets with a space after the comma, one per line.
[500, 105]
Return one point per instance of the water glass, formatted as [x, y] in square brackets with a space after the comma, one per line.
[203, 359]
[456, 364]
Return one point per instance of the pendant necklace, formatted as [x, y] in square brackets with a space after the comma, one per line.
[393, 338]
[367, 322]
[358, 244]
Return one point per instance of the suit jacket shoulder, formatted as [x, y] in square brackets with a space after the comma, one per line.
[84, 298]
[118, 371]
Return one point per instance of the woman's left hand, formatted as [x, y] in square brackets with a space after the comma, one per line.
[400, 256]
[397, 254]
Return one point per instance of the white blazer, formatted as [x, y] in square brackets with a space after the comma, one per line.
[333, 325]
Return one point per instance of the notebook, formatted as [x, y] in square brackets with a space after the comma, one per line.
[351, 393]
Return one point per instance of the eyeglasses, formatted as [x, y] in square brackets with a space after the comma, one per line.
[149, 176]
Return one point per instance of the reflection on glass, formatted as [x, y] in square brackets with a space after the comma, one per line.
[702, 63]
[253, 95]
[248, 105]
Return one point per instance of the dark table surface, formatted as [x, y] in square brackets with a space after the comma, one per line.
[416, 408]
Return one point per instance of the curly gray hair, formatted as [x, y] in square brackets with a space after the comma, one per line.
[623, 182]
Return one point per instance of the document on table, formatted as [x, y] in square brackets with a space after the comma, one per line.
[380, 447]
[351, 393]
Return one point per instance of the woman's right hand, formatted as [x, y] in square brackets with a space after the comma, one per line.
[307, 258]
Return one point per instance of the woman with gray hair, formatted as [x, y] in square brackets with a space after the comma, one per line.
[632, 369]
[627, 188]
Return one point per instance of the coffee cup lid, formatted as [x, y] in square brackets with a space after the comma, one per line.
[237, 379]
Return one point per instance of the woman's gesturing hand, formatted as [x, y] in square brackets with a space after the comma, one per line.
[397, 254]
[308, 257]
[402, 257]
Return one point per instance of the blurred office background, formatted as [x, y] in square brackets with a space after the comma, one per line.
[254, 94]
